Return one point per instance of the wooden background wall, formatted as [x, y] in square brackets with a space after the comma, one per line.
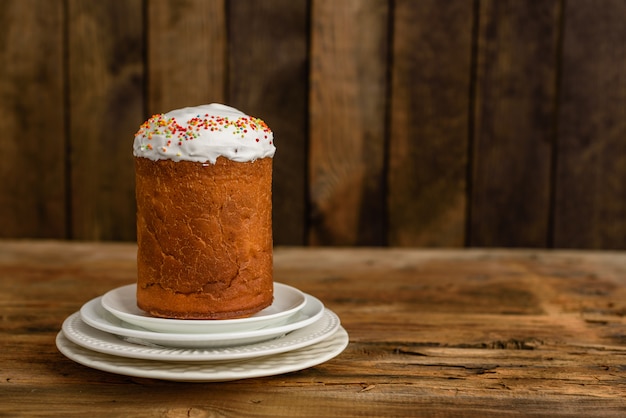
[397, 122]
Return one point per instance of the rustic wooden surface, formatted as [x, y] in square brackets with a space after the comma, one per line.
[432, 333]
[397, 122]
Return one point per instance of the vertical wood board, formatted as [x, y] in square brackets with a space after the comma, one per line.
[347, 122]
[397, 122]
[32, 144]
[106, 107]
[429, 123]
[186, 57]
[514, 123]
[268, 78]
[590, 195]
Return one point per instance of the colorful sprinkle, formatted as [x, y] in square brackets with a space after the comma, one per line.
[160, 125]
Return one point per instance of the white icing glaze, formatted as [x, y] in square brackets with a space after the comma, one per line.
[202, 134]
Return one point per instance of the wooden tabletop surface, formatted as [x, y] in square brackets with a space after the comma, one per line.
[432, 333]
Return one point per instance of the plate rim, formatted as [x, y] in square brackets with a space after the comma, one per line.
[165, 324]
[334, 345]
[80, 333]
[162, 338]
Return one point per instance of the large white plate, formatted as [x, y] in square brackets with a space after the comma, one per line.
[122, 302]
[290, 361]
[82, 334]
[96, 316]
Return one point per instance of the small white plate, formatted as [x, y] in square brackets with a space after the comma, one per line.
[290, 361]
[82, 334]
[96, 316]
[122, 302]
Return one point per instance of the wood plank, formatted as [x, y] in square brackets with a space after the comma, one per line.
[106, 107]
[590, 195]
[514, 123]
[347, 122]
[186, 53]
[268, 78]
[429, 335]
[429, 123]
[32, 144]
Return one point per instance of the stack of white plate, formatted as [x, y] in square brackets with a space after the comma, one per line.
[110, 333]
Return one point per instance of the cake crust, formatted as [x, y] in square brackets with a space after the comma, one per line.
[204, 234]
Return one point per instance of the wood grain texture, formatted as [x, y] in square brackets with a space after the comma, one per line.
[186, 57]
[105, 60]
[432, 333]
[347, 122]
[514, 120]
[403, 123]
[32, 144]
[268, 78]
[590, 195]
[429, 119]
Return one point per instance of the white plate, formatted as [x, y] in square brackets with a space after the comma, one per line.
[96, 316]
[122, 302]
[82, 334]
[290, 361]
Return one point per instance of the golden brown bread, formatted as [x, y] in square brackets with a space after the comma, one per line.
[204, 233]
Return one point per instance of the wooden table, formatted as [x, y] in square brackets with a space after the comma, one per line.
[432, 333]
